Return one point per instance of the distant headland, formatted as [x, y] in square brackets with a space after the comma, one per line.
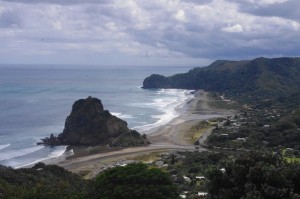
[248, 80]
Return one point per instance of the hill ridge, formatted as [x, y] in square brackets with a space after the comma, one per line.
[267, 77]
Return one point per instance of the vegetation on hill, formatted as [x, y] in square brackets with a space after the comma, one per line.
[268, 92]
[51, 181]
[255, 175]
[259, 129]
[42, 181]
[253, 79]
[135, 181]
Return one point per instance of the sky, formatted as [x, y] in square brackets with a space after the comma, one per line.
[146, 32]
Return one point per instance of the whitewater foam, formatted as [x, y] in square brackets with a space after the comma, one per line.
[168, 106]
[3, 146]
[58, 152]
[122, 116]
[18, 153]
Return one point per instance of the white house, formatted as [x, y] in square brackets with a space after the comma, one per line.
[223, 170]
[202, 193]
[200, 177]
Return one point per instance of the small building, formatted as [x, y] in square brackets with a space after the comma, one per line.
[200, 177]
[202, 193]
[159, 163]
[182, 196]
[224, 134]
[223, 170]
[241, 139]
[187, 179]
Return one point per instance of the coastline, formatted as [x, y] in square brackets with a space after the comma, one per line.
[168, 137]
[194, 111]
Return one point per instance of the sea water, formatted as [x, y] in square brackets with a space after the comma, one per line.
[36, 99]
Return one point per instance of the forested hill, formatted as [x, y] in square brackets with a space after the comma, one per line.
[277, 77]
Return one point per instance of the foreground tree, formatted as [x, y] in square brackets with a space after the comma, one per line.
[42, 182]
[256, 175]
[134, 181]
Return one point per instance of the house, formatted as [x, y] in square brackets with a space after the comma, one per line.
[289, 149]
[224, 134]
[202, 193]
[223, 170]
[187, 179]
[241, 139]
[200, 177]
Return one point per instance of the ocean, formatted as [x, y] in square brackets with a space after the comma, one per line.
[36, 99]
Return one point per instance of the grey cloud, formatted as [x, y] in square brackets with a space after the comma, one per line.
[288, 9]
[199, 1]
[198, 42]
[60, 2]
[139, 26]
[9, 19]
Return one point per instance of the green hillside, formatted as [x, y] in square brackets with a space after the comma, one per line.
[261, 77]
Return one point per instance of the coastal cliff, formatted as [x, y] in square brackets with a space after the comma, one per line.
[89, 124]
[260, 77]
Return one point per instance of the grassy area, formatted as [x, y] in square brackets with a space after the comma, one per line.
[198, 133]
[215, 101]
[197, 130]
[149, 157]
[290, 160]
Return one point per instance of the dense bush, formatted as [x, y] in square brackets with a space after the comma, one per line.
[43, 182]
[134, 181]
[54, 182]
[256, 175]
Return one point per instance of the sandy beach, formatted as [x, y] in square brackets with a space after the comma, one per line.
[169, 137]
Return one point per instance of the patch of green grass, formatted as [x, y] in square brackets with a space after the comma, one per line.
[149, 157]
[198, 133]
[290, 160]
[215, 101]
[283, 152]
[197, 130]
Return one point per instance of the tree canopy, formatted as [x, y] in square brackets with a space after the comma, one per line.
[135, 181]
[256, 175]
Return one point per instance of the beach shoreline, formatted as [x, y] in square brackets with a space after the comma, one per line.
[169, 137]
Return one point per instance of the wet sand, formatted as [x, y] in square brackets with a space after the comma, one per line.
[169, 137]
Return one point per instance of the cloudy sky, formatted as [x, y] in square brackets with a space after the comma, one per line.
[147, 32]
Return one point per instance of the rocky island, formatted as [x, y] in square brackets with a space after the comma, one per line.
[89, 125]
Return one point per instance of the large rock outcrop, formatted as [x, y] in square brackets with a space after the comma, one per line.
[90, 124]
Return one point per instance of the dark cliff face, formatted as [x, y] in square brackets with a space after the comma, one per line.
[90, 124]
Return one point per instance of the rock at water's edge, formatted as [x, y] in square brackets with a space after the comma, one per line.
[89, 124]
